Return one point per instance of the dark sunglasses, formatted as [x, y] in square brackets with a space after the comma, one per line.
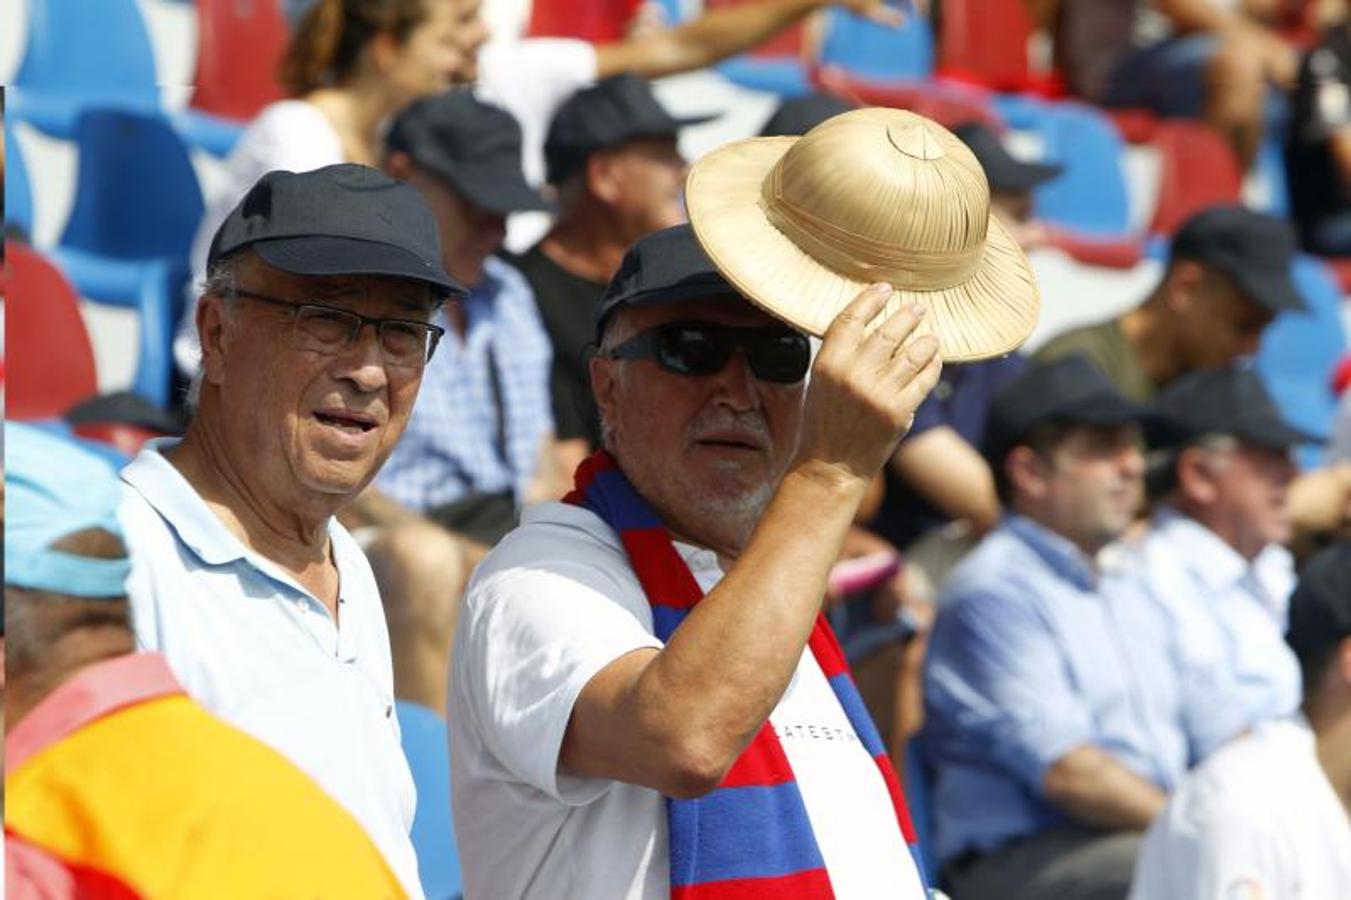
[775, 353]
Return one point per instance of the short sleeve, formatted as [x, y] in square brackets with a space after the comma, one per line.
[994, 681]
[531, 639]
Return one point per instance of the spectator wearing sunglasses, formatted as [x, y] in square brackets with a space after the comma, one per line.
[316, 324]
[728, 482]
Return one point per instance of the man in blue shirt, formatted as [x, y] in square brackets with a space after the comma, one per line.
[1055, 723]
[1213, 558]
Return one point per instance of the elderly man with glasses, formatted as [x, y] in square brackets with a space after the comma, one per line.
[599, 752]
[315, 327]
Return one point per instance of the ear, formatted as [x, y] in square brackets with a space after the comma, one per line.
[1195, 478]
[214, 333]
[1342, 661]
[398, 164]
[602, 178]
[383, 50]
[1027, 472]
[604, 384]
[1184, 282]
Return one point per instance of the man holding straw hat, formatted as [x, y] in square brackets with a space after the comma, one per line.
[645, 700]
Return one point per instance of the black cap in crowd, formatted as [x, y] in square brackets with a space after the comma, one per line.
[1232, 401]
[1006, 173]
[472, 145]
[1320, 607]
[1255, 250]
[667, 266]
[607, 114]
[1067, 391]
[345, 219]
[799, 115]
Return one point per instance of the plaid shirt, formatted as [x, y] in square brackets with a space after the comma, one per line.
[451, 449]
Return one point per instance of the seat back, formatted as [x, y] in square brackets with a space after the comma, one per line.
[137, 195]
[597, 21]
[231, 31]
[868, 50]
[18, 192]
[1090, 196]
[426, 746]
[1197, 169]
[98, 49]
[986, 41]
[42, 315]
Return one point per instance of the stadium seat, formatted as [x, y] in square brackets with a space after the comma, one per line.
[948, 104]
[597, 21]
[1300, 351]
[985, 42]
[227, 94]
[1090, 196]
[876, 52]
[42, 315]
[1197, 169]
[154, 288]
[426, 746]
[136, 194]
[80, 54]
[18, 192]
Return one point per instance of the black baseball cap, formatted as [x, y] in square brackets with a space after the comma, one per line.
[667, 266]
[344, 219]
[799, 115]
[1070, 391]
[472, 145]
[1255, 250]
[1232, 401]
[1320, 607]
[605, 115]
[1005, 172]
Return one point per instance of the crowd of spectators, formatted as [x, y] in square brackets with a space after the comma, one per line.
[1096, 598]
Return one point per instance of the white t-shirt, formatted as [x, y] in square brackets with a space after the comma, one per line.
[1257, 819]
[554, 603]
[290, 134]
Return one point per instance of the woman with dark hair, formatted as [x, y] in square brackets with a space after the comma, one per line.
[350, 66]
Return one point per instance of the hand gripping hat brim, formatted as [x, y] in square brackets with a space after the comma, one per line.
[874, 195]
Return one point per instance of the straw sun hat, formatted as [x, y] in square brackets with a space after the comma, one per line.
[801, 225]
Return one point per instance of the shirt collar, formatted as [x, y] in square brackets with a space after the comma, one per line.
[94, 692]
[1215, 564]
[1059, 553]
[179, 504]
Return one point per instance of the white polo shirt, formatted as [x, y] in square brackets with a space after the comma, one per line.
[1259, 818]
[264, 654]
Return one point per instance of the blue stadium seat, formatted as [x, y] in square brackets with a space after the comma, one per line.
[79, 54]
[1299, 351]
[426, 746]
[785, 77]
[154, 288]
[876, 52]
[136, 195]
[18, 192]
[1090, 197]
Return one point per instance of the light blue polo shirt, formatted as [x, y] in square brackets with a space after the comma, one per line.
[1033, 654]
[257, 649]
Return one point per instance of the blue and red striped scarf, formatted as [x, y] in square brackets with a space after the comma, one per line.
[750, 837]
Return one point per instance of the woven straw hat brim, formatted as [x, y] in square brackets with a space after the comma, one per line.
[989, 315]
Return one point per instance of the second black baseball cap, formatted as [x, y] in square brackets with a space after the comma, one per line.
[1231, 400]
[605, 115]
[344, 219]
[474, 146]
[666, 266]
[1254, 249]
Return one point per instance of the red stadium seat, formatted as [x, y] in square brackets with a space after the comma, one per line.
[55, 368]
[597, 21]
[1197, 169]
[239, 45]
[985, 42]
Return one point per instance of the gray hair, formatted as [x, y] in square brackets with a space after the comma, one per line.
[1161, 465]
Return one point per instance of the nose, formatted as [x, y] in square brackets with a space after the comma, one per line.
[362, 362]
[735, 384]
